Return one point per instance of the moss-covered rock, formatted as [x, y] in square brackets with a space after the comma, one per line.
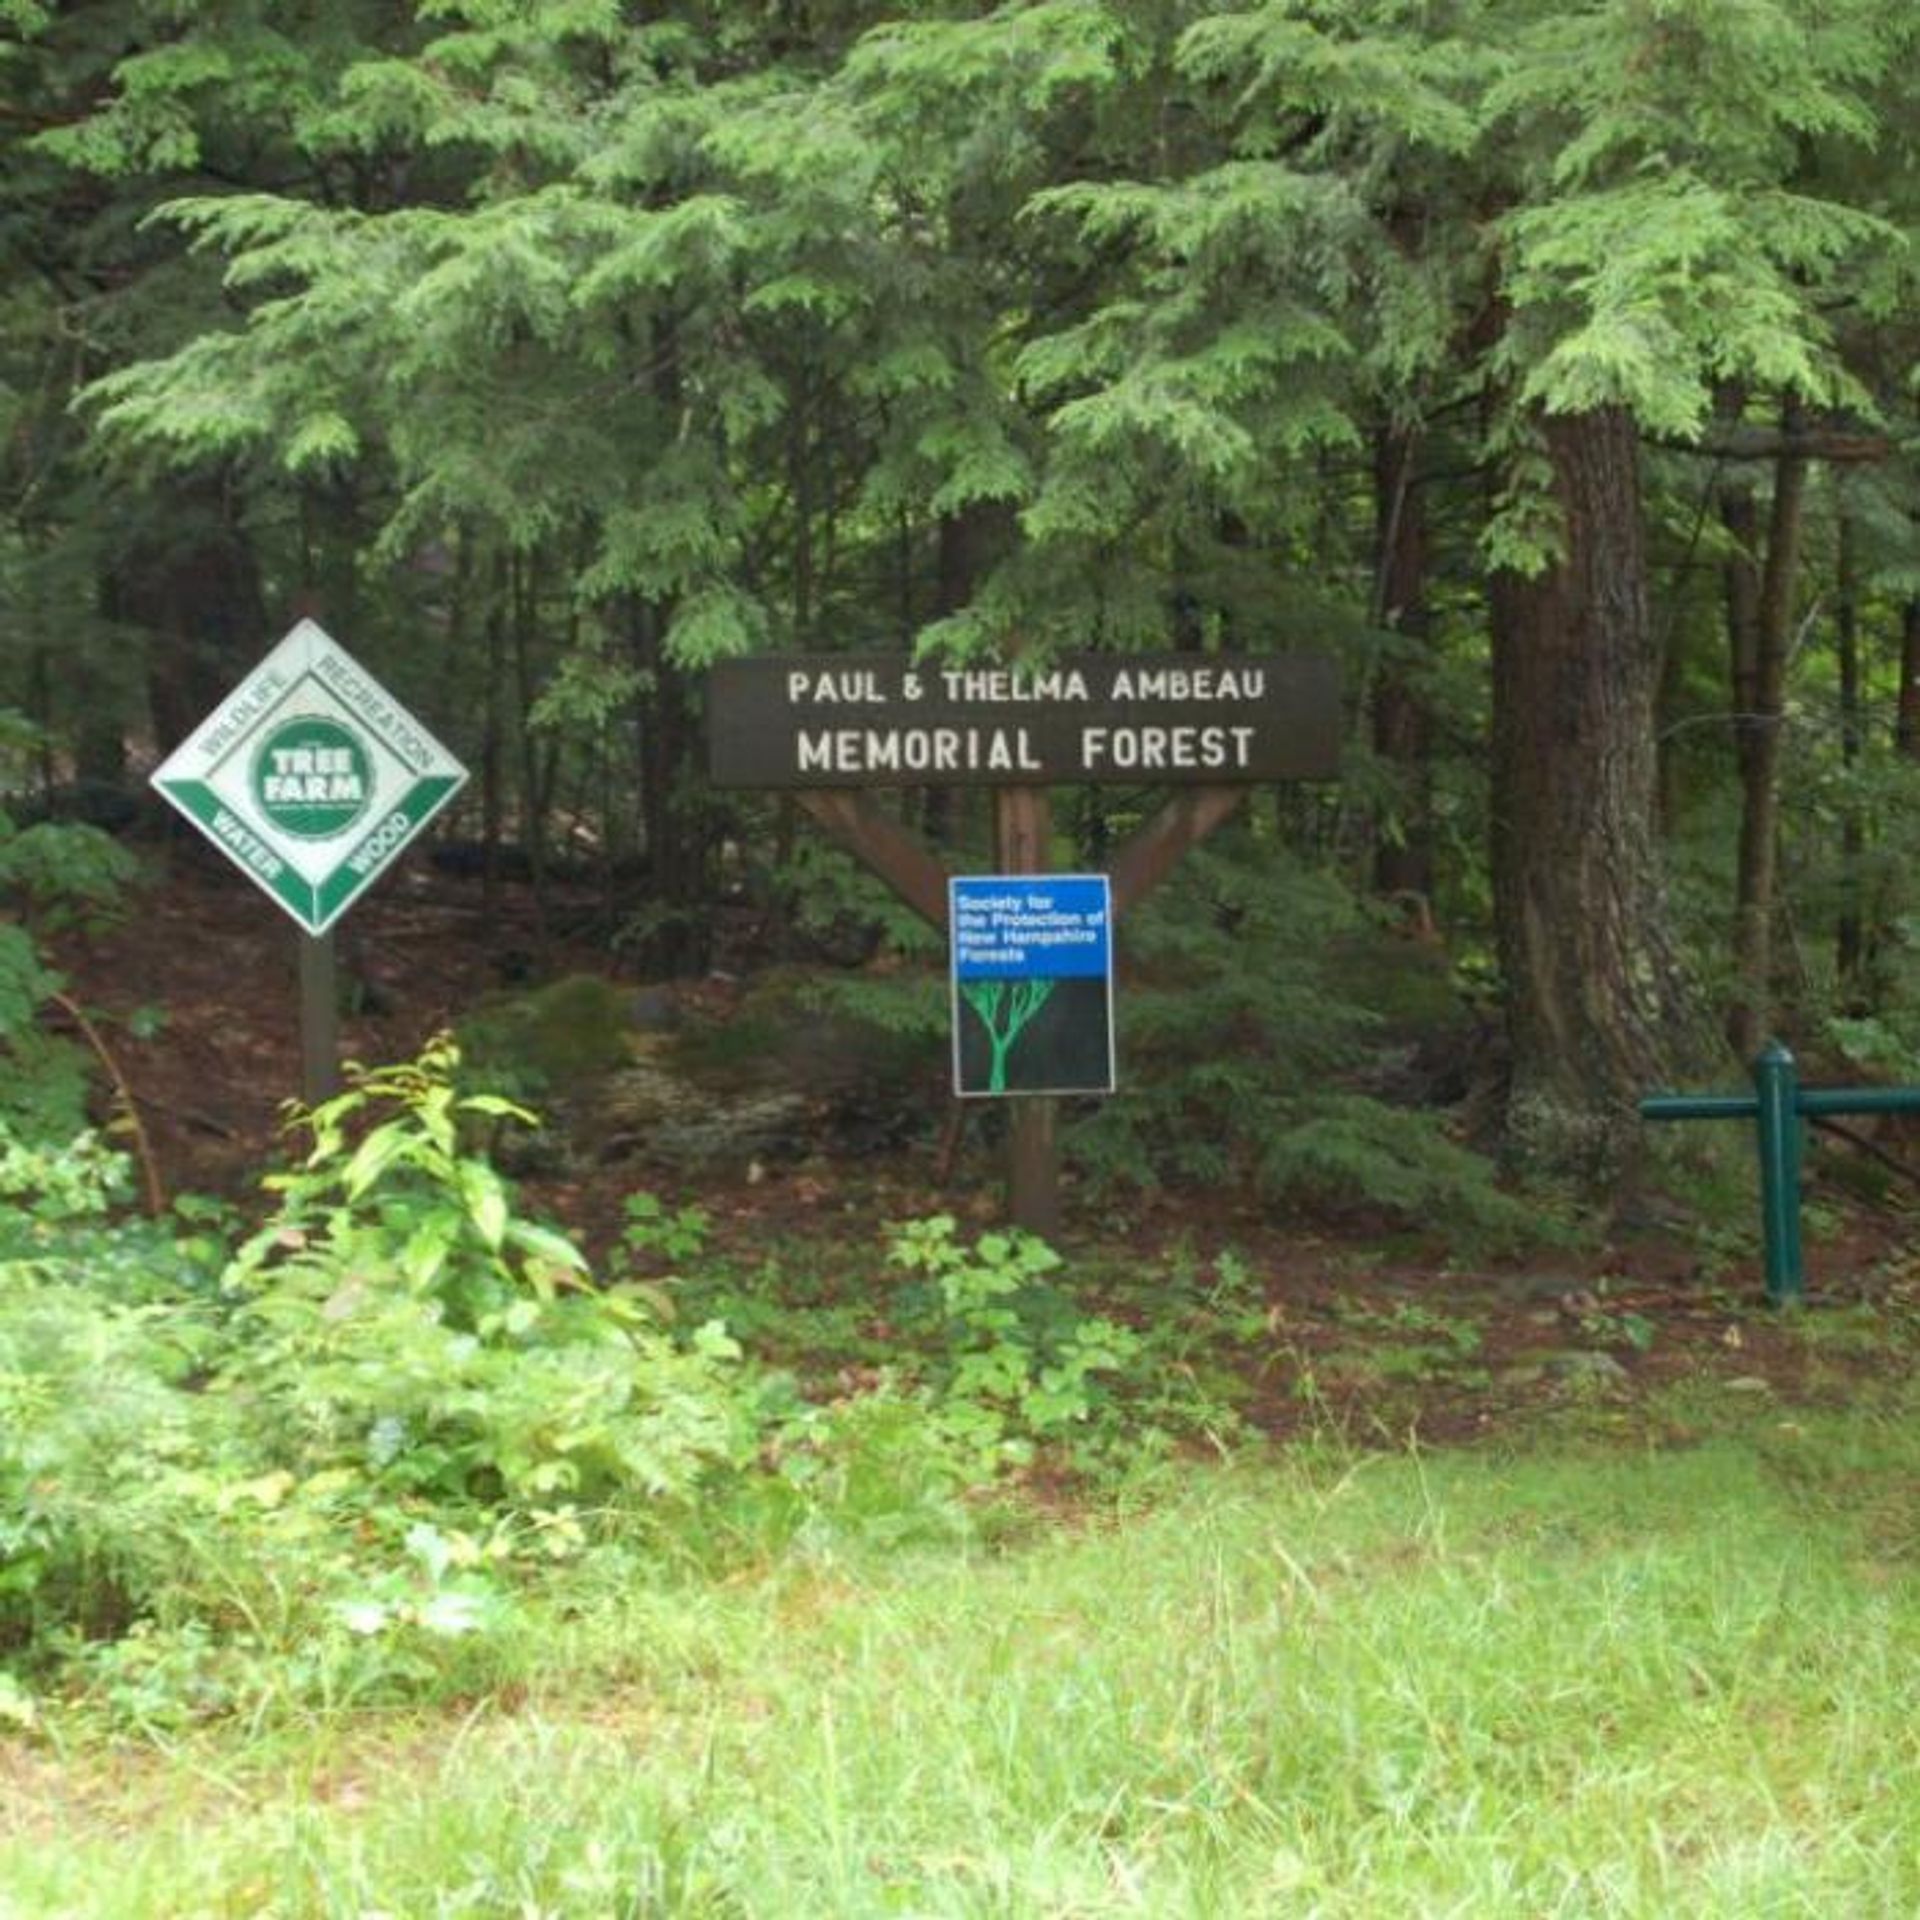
[692, 1084]
[649, 1111]
[549, 1040]
[791, 1029]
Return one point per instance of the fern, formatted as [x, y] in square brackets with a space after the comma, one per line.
[1246, 1039]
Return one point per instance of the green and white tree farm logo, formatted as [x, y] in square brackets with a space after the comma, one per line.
[311, 777]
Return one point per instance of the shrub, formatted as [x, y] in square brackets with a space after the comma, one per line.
[1265, 1000]
[52, 876]
[103, 1327]
[1012, 1361]
[401, 1320]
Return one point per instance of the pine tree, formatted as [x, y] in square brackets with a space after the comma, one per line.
[612, 345]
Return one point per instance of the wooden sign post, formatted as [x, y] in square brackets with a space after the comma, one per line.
[319, 1017]
[829, 729]
[1023, 838]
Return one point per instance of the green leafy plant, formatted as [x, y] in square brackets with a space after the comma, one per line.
[47, 1188]
[19, 1712]
[388, 1188]
[1252, 1040]
[333, 1464]
[53, 876]
[1613, 1325]
[103, 1325]
[408, 1324]
[442, 1591]
[656, 1232]
[1014, 1361]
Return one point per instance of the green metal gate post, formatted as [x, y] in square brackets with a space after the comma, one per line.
[1776, 1085]
[1777, 1106]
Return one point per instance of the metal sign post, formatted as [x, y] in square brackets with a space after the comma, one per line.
[319, 1017]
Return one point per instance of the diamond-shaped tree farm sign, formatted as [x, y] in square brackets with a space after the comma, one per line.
[310, 777]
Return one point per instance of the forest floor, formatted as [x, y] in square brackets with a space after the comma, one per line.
[1388, 1333]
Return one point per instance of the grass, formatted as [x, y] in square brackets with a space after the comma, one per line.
[1586, 1677]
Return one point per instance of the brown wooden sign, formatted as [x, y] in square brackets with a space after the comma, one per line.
[829, 725]
[880, 720]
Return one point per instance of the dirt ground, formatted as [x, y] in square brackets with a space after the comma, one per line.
[220, 963]
[1390, 1334]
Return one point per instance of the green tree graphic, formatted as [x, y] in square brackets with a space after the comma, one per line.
[1004, 1008]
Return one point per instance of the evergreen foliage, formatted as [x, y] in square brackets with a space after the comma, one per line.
[1251, 1040]
[558, 353]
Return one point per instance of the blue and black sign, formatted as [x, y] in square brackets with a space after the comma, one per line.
[1032, 983]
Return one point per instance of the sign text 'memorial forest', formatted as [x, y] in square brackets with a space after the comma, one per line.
[868, 720]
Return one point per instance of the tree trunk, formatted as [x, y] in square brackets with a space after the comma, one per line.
[493, 802]
[968, 545]
[1906, 722]
[1852, 940]
[195, 586]
[674, 934]
[1740, 515]
[1598, 1007]
[675, 937]
[1402, 719]
[1760, 727]
[536, 765]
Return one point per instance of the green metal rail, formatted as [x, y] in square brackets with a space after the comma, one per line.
[1777, 1106]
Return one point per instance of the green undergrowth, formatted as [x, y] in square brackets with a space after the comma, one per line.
[1583, 1677]
[361, 1454]
[1267, 1005]
[379, 1556]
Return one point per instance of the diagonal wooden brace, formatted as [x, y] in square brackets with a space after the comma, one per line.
[1152, 851]
[871, 834]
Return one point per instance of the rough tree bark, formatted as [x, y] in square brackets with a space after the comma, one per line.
[676, 825]
[1762, 706]
[676, 828]
[1599, 1008]
[1853, 937]
[1906, 722]
[968, 546]
[1740, 515]
[193, 583]
[1403, 863]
